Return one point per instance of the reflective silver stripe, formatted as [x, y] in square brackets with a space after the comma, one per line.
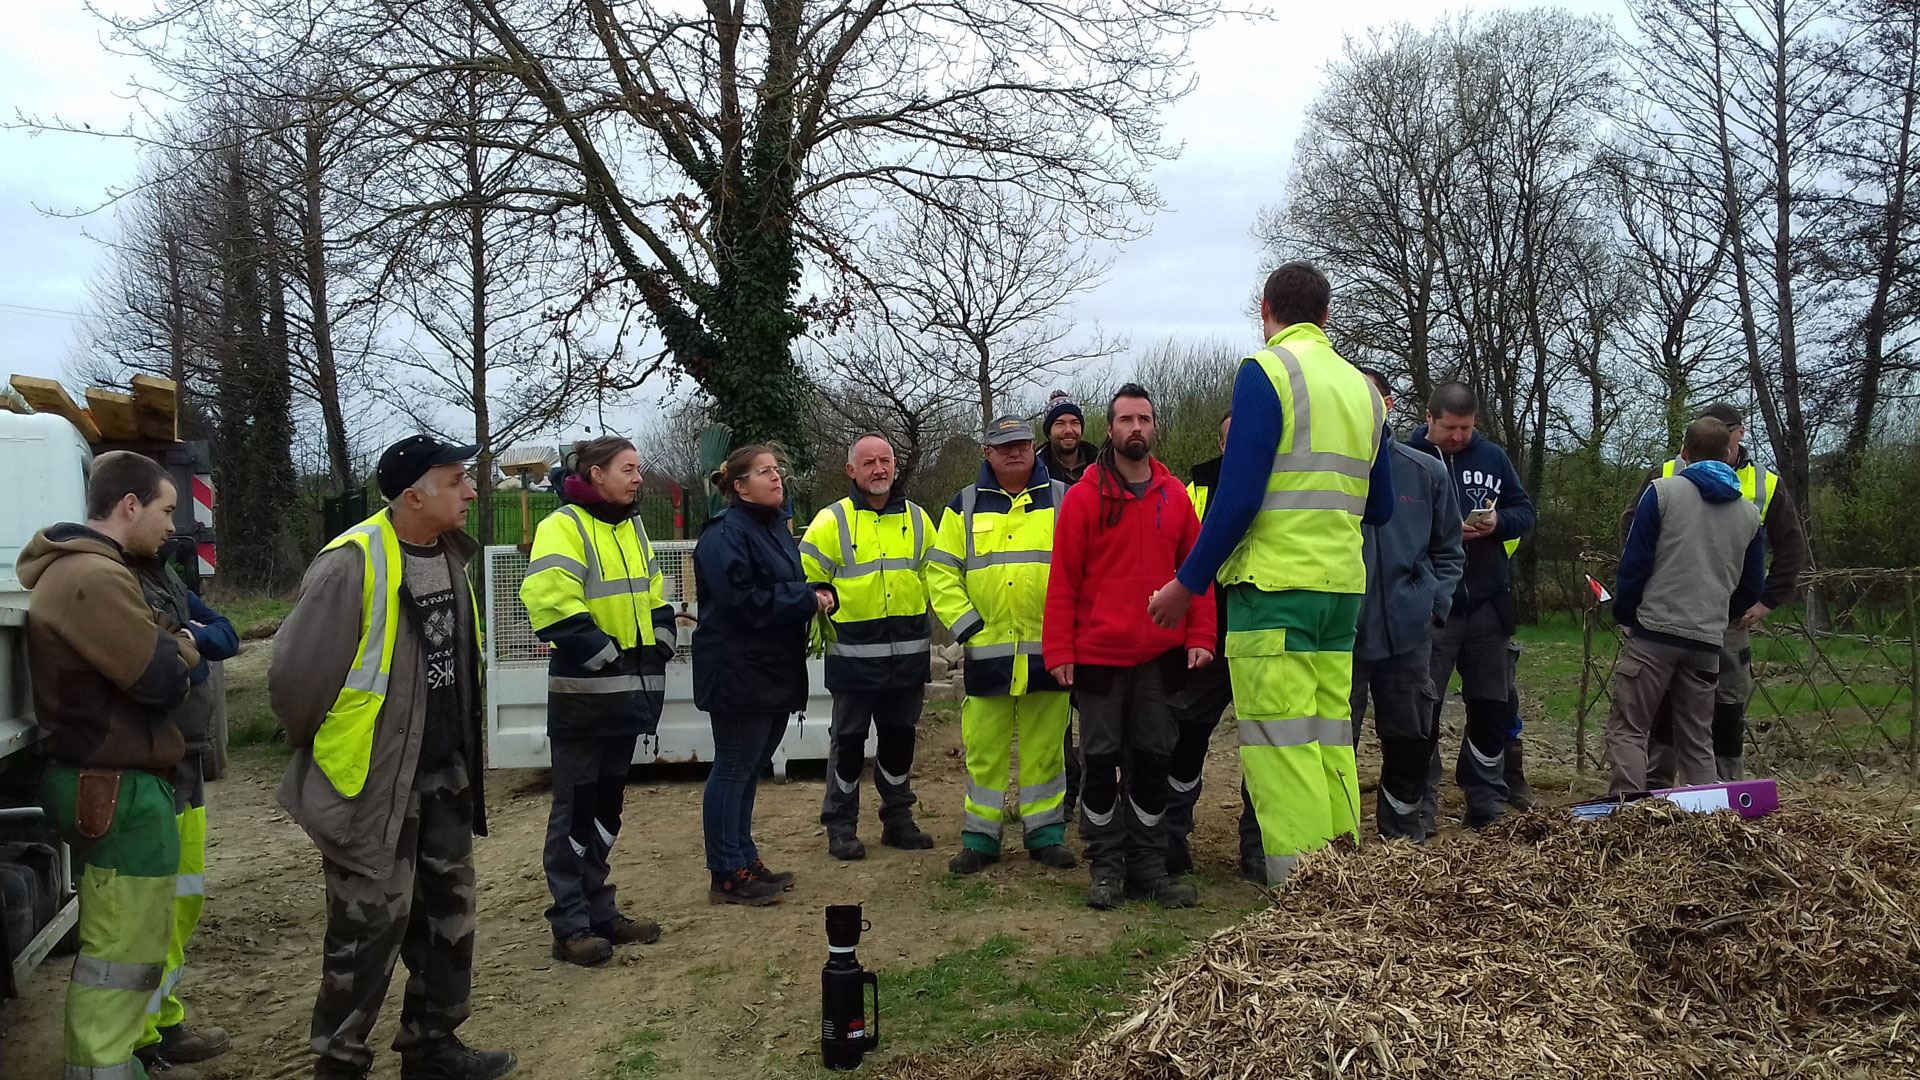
[1149, 820]
[1401, 808]
[602, 589]
[964, 625]
[558, 562]
[874, 566]
[944, 558]
[116, 975]
[974, 823]
[1314, 500]
[594, 584]
[892, 780]
[1059, 489]
[839, 510]
[987, 797]
[919, 517]
[1182, 786]
[969, 495]
[1009, 558]
[168, 984]
[608, 654]
[1030, 794]
[606, 837]
[1099, 820]
[579, 848]
[818, 556]
[653, 684]
[1486, 762]
[1280, 867]
[1299, 731]
[611, 684]
[190, 885]
[1301, 421]
[1323, 461]
[1759, 490]
[122, 1071]
[1010, 648]
[366, 674]
[884, 648]
[666, 635]
[846, 787]
[1053, 816]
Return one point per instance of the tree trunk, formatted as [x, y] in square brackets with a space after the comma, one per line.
[1795, 460]
[313, 243]
[176, 319]
[477, 267]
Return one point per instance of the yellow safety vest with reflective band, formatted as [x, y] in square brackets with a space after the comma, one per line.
[580, 564]
[1307, 533]
[1756, 484]
[987, 577]
[343, 747]
[874, 559]
[1197, 494]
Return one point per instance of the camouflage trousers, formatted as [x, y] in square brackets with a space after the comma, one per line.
[422, 913]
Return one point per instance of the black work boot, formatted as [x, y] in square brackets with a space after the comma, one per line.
[182, 1045]
[625, 931]
[1105, 894]
[906, 836]
[586, 950]
[1166, 892]
[782, 878]
[741, 887]
[1519, 792]
[454, 1060]
[1057, 856]
[970, 861]
[846, 847]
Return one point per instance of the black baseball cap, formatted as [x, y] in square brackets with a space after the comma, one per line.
[406, 461]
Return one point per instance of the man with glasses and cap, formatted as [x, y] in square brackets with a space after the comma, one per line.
[1787, 558]
[376, 678]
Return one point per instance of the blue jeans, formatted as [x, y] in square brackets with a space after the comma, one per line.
[743, 746]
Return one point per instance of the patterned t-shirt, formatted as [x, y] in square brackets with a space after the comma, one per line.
[430, 583]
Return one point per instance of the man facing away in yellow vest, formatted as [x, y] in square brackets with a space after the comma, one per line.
[376, 677]
[1304, 466]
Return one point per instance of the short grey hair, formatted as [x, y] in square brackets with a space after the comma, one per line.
[858, 439]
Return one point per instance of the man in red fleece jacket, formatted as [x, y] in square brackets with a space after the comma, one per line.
[1122, 530]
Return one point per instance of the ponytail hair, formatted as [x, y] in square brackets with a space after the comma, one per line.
[590, 454]
[736, 467]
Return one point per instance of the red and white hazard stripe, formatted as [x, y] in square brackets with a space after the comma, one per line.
[203, 517]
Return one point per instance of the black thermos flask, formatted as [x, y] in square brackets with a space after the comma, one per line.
[845, 1033]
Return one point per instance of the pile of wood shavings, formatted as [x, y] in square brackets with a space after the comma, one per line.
[1651, 943]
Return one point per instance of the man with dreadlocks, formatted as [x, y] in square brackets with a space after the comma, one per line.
[1123, 531]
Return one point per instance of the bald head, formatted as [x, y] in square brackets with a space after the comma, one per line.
[871, 467]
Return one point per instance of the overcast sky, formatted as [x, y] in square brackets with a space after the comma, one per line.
[1191, 276]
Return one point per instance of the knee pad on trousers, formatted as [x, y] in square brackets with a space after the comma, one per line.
[894, 750]
[848, 756]
[1100, 788]
[1487, 724]
[1189, 752]
[1729, 729]
[1147, 787]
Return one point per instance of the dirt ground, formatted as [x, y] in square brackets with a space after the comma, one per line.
[727, 991]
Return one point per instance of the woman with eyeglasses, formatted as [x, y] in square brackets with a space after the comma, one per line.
[749, 660]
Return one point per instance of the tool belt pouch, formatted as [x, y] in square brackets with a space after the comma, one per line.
[95, 801]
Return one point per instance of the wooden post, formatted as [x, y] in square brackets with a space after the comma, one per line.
[1913, 683]
[1586, 672]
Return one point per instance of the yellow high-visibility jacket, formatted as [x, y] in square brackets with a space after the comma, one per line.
[987, 576]
[873, 559]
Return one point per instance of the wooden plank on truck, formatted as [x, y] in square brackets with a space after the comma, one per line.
[48, 396]
[156, 407]
[113, 414]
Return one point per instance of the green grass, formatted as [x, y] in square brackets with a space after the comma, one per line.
[250, 720]
[639, 1057]
[245, 609]
[995, 988]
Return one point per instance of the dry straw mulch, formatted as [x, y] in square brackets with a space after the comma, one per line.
[1654, 943]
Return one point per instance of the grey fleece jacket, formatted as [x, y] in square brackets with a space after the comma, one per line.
[311, 656]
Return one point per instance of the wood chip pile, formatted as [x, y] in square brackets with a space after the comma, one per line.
[1651, 943]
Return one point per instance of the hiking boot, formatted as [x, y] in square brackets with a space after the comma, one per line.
[1166, 892]
[741, 887]
[846, 848]
[1519, 792]
[1254, 872]
[625, 931]
[970, 861]
[585, 949]
[906, 836]
[1054, 855]
[156, 1065]
[182, 1045]
[453, 1060]
[783, 878]
[1105, 894]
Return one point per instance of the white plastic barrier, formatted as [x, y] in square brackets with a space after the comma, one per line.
[517, 678]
